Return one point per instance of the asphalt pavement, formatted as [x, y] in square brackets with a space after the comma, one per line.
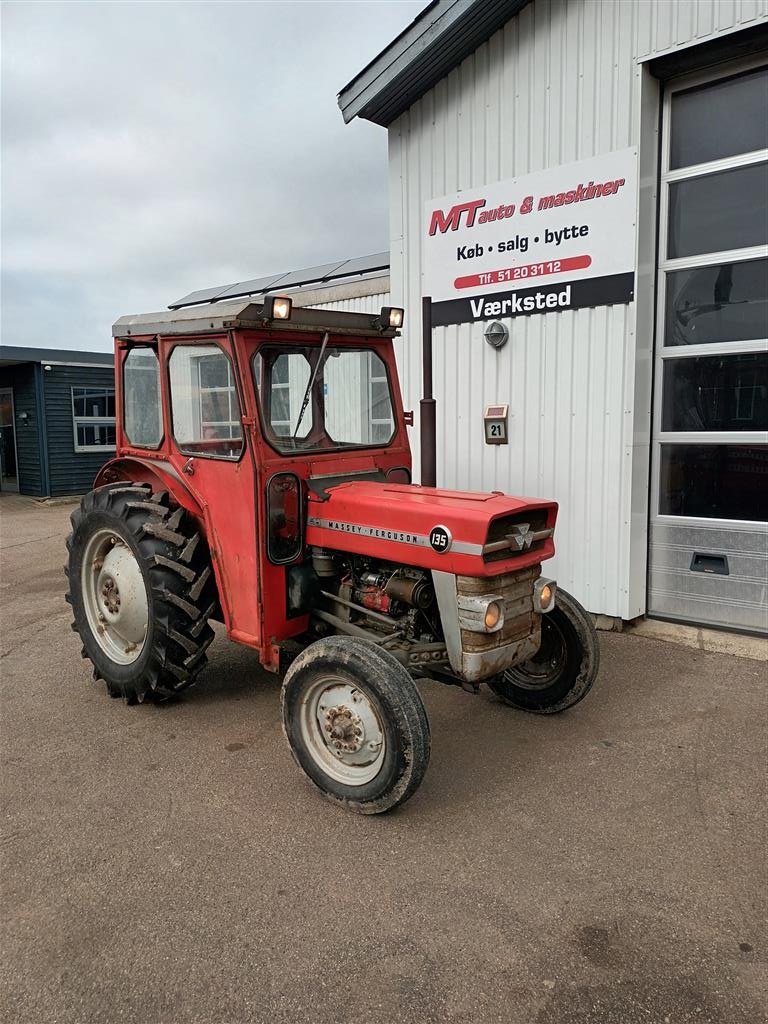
[170, 865]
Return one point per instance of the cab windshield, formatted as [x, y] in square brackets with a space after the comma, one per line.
[314, 397]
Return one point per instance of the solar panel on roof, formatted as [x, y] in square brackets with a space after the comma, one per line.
[254, 286]
[204, 295]
[364, 265]
[310, 275]
[292, 279]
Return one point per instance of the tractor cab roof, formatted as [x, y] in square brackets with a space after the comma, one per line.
[215, 317]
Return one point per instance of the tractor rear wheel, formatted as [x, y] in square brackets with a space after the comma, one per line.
[356, 724]
[562, 671]
[141, 589]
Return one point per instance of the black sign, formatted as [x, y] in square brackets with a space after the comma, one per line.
[615, 289]
[440, 539]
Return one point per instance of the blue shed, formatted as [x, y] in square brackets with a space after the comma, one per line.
[57, 419]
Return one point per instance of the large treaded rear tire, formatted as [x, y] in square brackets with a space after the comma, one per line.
[176, 572]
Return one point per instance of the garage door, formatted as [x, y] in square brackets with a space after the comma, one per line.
[709, 502]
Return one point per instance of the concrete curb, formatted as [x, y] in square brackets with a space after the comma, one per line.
[711, 640]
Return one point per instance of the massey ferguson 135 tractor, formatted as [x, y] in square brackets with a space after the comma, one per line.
[263, 479]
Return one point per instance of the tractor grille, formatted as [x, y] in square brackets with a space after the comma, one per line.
[516, 588]
[503, 533]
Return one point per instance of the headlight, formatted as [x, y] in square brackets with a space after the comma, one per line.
[544, 592]
[276, 307]
[389, 318]
[493, 615]
[481, 614]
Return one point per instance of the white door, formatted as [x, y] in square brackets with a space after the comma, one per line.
[709, 501]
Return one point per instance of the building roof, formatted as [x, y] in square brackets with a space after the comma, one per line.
[11, 355]
[290, 281]
[433, 44]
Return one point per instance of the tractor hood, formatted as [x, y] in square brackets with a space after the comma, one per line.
[463, 532]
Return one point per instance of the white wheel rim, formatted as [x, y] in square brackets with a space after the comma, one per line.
[115, 597]
[342, 729]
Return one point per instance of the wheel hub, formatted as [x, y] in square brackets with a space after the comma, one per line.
[111, 595]
[343, 731]
[115, 597]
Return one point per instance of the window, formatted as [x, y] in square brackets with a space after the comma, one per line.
[93, 417]
[358, 408]
[349, 404]
[289, 378]
[204, 403]
[714, 481]
[703, 125]
[382, 420]
[724, 302]
[717, 212]
[142, 414]
[727, 392]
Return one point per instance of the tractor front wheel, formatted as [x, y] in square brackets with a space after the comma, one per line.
[562, 671]
[141, 589]
[356, 724]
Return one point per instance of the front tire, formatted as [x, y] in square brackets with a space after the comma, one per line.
[356, 724]
[141, 589]
[562, 671]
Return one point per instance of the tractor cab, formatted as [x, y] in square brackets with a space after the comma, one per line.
[263, 479]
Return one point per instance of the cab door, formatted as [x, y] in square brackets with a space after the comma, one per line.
[209, 450]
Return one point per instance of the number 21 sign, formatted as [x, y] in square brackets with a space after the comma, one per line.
[495, 420]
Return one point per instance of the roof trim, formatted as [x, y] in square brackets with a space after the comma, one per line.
[434, 44]
[13, 355]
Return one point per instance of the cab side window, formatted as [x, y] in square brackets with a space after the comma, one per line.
[143, 415]
[205, 408]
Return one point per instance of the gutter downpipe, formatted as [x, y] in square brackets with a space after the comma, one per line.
[42, 431]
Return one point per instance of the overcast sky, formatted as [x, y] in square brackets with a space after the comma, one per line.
[149, 149]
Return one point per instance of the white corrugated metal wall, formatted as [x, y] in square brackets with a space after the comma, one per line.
[357, 304]
[560, 82]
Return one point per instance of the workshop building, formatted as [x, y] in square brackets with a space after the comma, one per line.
[57, 419]
[581, 188]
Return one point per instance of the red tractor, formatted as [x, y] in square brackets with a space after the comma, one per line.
[263, 479]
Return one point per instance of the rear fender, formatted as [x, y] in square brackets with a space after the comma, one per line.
[162, 476]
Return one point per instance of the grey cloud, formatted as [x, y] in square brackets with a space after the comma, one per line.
[150, 149]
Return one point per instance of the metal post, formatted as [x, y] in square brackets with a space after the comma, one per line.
[427, 409]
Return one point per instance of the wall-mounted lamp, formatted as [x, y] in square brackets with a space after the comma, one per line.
[496, 334]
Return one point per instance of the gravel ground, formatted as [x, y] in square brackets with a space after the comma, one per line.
[171, 865]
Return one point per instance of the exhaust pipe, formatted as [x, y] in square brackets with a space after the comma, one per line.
[427, 408]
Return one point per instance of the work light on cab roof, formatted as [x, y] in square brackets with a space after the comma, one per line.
[263, 479]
